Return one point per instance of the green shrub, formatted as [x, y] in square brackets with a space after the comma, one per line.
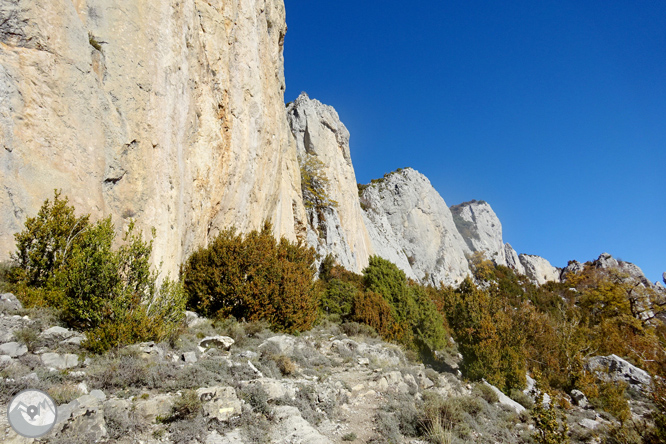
[68, 263]
[314, 183]
[549, 427]
[338, 298]
[487, 393]
[253, 277]
[414, 318]
[187, 406]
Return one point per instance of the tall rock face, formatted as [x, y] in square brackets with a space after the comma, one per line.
[335, 226]
[481, 228]
[410, 224]
[171, 113]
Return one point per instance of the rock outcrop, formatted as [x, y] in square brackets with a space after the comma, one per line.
[410, 224]
[322, 143]
[480, 227]
[538, 269]
[168, 113]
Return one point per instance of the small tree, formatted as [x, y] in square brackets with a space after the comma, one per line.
[68, 263]
[549, 427]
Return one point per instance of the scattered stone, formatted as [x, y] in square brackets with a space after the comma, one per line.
[589, 423]
[75, 340]
[579, 398]
[56, 334]
[13, 349]
[192, 319]
[5, 360]
[283, 343]
[505, 400]
[220, 403]
[292, 428]
[60, 361]
[82, 419]
[9, 303]
[223, 342]
[189, 357]
[363, 361]
[157, 405]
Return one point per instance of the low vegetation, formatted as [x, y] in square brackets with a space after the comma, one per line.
[503, 325]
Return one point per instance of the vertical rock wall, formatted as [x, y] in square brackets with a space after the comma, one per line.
[169, 112]
[323, 140]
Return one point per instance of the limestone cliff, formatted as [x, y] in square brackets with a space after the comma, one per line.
[322, 141]
[168, 112]
[538, 269]
[410, 224]
[481, 228]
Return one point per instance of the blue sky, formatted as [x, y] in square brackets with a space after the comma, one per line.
[554, 112]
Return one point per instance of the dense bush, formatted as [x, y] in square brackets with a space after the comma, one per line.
[254, 277]
[68, 263]
[414, 313]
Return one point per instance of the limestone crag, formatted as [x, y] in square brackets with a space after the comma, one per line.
[322, 142]
[410, 224]
[538, 269]
[168, 113]
[480, 227]
[512, 259]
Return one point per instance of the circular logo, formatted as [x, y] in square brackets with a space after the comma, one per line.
[32, 413]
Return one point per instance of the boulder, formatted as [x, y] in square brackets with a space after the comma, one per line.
[579, 398]
[220, 403]
[56, 334]
[154, 406]
[617, 369]
[222, 342]
[281, 344]
[189, 357]
[9, 303]
[192, 319]
[505, 400]
[13, 349]
[60, 361]
[82, 419]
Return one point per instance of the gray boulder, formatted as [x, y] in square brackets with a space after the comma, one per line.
[220, 403]
[223, 342]
[617, 369]
[13, 349]
[9, 303]
[82, 419]
[60, 361]
[505, 400]
[579, 398]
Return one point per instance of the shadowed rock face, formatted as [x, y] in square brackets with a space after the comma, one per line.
[169, 113]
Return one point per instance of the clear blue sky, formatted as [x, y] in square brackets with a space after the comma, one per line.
[552, 111]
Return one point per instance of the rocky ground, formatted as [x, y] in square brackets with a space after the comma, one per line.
[241, 383]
